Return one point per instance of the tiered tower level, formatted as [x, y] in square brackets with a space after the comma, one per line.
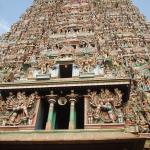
[112, 34]
[100, 46]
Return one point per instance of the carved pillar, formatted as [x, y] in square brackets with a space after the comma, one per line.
[52, 100]
[87, 114]
[72, 98]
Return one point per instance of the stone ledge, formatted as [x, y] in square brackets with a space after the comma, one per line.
[67, 136]
[74, 82]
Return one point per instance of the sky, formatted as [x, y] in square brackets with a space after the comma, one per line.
[11, 10]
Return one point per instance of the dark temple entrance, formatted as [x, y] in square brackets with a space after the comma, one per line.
[66, 71]
[62, 116]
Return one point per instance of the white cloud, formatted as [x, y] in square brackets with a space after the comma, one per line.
[4, 27]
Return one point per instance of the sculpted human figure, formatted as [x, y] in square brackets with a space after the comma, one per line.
[120, 116]
[2, 103]
[109, 96]
[118, 98]
[99, 68]
[21, 97]
[19, 109]
[30, 73]
[43, 67]
[90, 116]
[86, 66]
[103, 104]
[76, 70]
[109, 109]
[130, 115]
[108, 71]
[142, 123]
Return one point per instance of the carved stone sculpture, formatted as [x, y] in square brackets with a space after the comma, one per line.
[105, 107]
[18, 109]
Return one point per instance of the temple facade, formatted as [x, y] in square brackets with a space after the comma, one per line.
[76, 74]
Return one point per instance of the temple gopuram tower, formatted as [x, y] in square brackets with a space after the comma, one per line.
[75, 74]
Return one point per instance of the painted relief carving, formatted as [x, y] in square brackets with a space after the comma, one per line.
[105, 107]
[86, 64]
[18, 109]
[137, 112]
